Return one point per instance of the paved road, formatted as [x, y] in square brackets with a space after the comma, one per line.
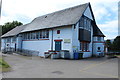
[26, 67]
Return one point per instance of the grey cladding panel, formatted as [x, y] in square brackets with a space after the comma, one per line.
[84, 35]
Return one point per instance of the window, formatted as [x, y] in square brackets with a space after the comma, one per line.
[98, 48]
[99, 38]
[28, 36]
[31, 35]
[42, 34]
[8, 45]
[4, 40]
[37, 35]
[14, 39]
[84, 46]
[58, 31]
[34, 35]
[85, 23]
[25, 36]
[81, 23]
[89, 25]
[47, 34]
[8, 40]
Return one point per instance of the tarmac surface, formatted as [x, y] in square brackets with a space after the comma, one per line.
[36, 67]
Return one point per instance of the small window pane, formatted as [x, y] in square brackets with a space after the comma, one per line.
[37, 35]
[81, 22]
[99, 38]
[43, 34]
[85, 23]
[40, 34]
[8, 39]
[84, 46]
[58, 31]
[47, 33]
[14, 39]
[28, 35]
[34, 35]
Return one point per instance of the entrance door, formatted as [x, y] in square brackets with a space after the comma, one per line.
[15, 46]
[57, 45]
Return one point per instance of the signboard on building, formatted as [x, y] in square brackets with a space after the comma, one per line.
[67, 40]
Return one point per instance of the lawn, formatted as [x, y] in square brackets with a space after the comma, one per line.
[4, 67]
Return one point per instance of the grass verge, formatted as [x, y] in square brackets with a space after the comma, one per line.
[4, 67]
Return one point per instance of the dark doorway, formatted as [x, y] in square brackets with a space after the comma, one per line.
[57, 45]
[15, 46]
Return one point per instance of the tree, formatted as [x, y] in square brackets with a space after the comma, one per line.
[108, 44]
[116, 44]
[10, 25]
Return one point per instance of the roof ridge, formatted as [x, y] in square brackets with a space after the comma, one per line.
[58, 18]
[63, 9]
[67, 16]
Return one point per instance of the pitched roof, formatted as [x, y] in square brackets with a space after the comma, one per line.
[14, 31]
[67, 16]
[64, 17]
[96, 30]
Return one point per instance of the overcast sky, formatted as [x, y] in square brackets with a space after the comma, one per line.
[105, 12]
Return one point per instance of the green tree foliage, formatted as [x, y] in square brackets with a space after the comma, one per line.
[108, 44]
[0, 30]
[10, 25]
[113, 46]
[116, 44]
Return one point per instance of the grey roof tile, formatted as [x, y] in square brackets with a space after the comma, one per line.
[96, 30]
[67, 16]
[63, 17]
[15, 31]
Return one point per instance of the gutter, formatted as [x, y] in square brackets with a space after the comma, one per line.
[52, 40]
[92, 45]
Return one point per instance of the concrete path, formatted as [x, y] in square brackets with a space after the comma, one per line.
[27, 67]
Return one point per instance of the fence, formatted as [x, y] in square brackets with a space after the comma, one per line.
[24, 52]
[112, 53]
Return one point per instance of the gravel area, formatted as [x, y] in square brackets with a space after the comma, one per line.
[36, 67]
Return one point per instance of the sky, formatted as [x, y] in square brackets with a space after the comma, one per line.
[105, 12]
[119, 19]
